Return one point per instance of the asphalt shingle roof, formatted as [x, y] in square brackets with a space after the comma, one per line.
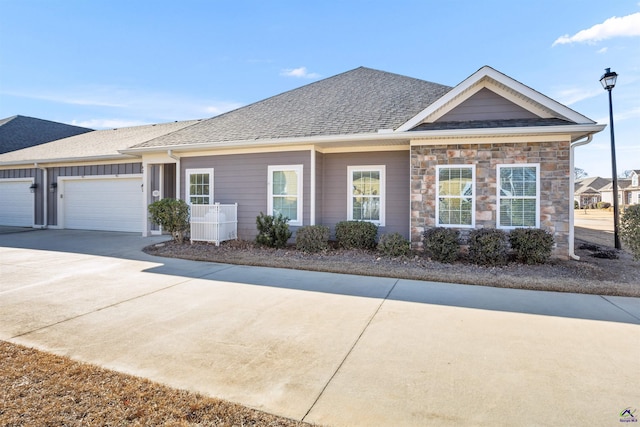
[357, 101]
[94, 144]
[19, 132]
[478, 124]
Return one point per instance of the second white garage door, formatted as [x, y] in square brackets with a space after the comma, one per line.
[16, 202]
[107, 204]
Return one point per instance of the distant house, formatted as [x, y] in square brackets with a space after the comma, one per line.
[628, 190]
[19, 132]
[587, 190]
[368, 145]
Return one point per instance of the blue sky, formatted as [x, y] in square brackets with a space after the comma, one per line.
[115, 63]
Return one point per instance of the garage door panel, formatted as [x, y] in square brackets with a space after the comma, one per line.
[109, 204]
[16, 203]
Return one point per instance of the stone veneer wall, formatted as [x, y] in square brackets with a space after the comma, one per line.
[553, 158]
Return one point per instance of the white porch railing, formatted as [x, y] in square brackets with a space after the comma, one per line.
[214, 223]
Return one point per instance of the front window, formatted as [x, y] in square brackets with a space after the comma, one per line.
[285, 192]
[366, 194]
[199, 186]
[455, 198]
[518, 196]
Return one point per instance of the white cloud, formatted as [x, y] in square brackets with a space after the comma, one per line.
[573, 95]
[626, 26]
[603, 50]
[300, 72]
[107, 123]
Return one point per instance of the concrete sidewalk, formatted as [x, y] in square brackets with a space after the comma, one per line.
[324, 348]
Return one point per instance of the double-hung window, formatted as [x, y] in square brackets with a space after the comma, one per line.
[285, 192]
[518, 195]
[366, 193]
[455, 198]
[199, 186]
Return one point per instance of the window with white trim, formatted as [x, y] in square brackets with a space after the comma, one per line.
[199, 186]
[366, 193]
[285, 192]
[518, 195]
[455, 195]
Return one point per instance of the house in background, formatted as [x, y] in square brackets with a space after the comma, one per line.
[19, 132]
[628, 190]
[403, 153]
[587, 190]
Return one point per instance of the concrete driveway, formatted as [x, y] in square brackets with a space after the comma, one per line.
[324, 348]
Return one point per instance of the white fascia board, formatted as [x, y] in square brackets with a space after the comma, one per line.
[41, 162]
[487, 72]
[396, 138]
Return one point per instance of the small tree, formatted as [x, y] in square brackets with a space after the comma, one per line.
[630, 229]
[172, 215]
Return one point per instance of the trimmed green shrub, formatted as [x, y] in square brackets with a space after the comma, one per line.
[442, 244]
[312, 238]
[394, 245]
[531, 245]
[273, 231]
[356, 234]
[603, 205]
[488, 246]
[576, 205]
[172, 215]
[630, 229]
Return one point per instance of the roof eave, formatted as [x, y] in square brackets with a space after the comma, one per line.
[387, 138]
[41, 162]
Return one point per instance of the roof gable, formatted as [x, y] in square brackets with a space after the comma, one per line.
[502, 93]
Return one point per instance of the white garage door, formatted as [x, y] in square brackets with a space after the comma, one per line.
[16, 203]
[107, 204]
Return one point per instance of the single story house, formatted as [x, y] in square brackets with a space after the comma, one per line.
[18, 132]
[628, 190]
[587, 190]
[403, 153]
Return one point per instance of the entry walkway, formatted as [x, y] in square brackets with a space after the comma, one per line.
[325, 348]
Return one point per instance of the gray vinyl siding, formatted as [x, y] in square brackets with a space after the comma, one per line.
[335, 194]
[242, 179]
[52, 176]
[486, 105]
[319, 187]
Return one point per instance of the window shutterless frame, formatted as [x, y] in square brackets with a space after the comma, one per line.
[199, 186]
[456, 196]
[518, 188]
[284, 196]
[366, 194]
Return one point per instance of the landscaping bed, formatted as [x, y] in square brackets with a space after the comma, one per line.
[589, 275]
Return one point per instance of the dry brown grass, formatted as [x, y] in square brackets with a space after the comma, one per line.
[40, 389]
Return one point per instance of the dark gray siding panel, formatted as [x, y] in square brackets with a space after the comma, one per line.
[242, 179]
[486, 105]
[335, 197]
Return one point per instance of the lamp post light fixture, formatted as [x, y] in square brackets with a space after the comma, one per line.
[608, 81]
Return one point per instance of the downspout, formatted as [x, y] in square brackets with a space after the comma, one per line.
[45, 189]
[572, 174]
[178, 173]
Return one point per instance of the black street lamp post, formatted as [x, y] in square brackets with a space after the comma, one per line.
[608, 81]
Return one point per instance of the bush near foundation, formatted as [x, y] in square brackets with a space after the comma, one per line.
[442, 244]
[273, 231]
[531, 245]
[488, 247]
[356, 234]
[172, 215]
[312, 238]
[630, 230]
[394, 245]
